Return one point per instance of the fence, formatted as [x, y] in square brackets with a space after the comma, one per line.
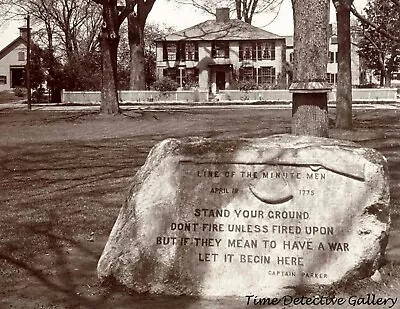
[131, 96]
[277, 96]
[359, 95]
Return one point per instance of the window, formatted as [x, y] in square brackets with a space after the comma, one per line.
[291, 57]
[21, 56]
[191, 51]
[332, 78]
[3, 79]
[266, 75]
[191, 76]
[247, 51]
[331, 57]
[266, 51]
[247, 74]
[172, 73]
[220, 50]
[170, 51]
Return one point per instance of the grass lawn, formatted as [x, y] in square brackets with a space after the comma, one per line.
[64, 177]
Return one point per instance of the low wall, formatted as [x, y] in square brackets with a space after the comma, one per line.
[131, 96]
[148, 96]
[359, 95]
[256, 95]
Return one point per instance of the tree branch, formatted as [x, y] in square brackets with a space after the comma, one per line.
[367, 22]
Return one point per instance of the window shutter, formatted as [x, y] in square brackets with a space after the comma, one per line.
[226, 46]
[255, 75]
[272, 51]
[259, 51]
[253, 50]
[240, 51]
[273, 72]
[213, 52]
[178, 51]
[259, 76]
[196, 51]
[182, 47]
[165, 53]
[240, 73]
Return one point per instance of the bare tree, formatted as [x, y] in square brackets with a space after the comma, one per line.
[243, 9]
[381, 49]
[109, 40]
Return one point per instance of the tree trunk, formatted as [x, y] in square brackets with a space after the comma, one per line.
[382, 81]
[344, 82]
[390, 66]
[382, 69]
[136, 25]
[109, 40]
[109, 89]
[388, 79]
[309, 87]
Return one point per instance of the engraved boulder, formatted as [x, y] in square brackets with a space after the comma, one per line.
[261, 216]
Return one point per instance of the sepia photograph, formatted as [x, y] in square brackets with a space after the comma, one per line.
[198, 154]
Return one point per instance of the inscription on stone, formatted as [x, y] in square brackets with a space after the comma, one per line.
[268, 217]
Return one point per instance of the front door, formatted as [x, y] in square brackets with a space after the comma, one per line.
[17, 77]
[220, 80]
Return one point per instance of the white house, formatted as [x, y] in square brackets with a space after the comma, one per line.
[216, 52]
[13, 61]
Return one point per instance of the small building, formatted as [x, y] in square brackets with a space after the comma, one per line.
[13, 61]
[215, 54]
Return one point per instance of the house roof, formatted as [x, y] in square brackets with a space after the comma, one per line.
[6, 50]
[211, 30]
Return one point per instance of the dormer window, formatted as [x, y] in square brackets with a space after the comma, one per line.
[220, 49]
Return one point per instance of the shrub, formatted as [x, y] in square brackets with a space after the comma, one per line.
[20, 92]
[165, 84]
[246, 85]
[190, 85]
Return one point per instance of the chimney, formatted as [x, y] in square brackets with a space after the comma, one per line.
[222, 15]
[23, 32]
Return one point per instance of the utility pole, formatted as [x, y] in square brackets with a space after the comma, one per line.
[28, 62]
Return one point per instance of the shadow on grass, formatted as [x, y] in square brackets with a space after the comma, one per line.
[59, 202]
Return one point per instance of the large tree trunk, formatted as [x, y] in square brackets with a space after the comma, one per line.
[109, 40]
[309, 87]
[136, 25]
[344, 82]
[109, 89]
[390, 66]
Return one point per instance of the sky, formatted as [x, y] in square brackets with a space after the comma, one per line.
[183, 16]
